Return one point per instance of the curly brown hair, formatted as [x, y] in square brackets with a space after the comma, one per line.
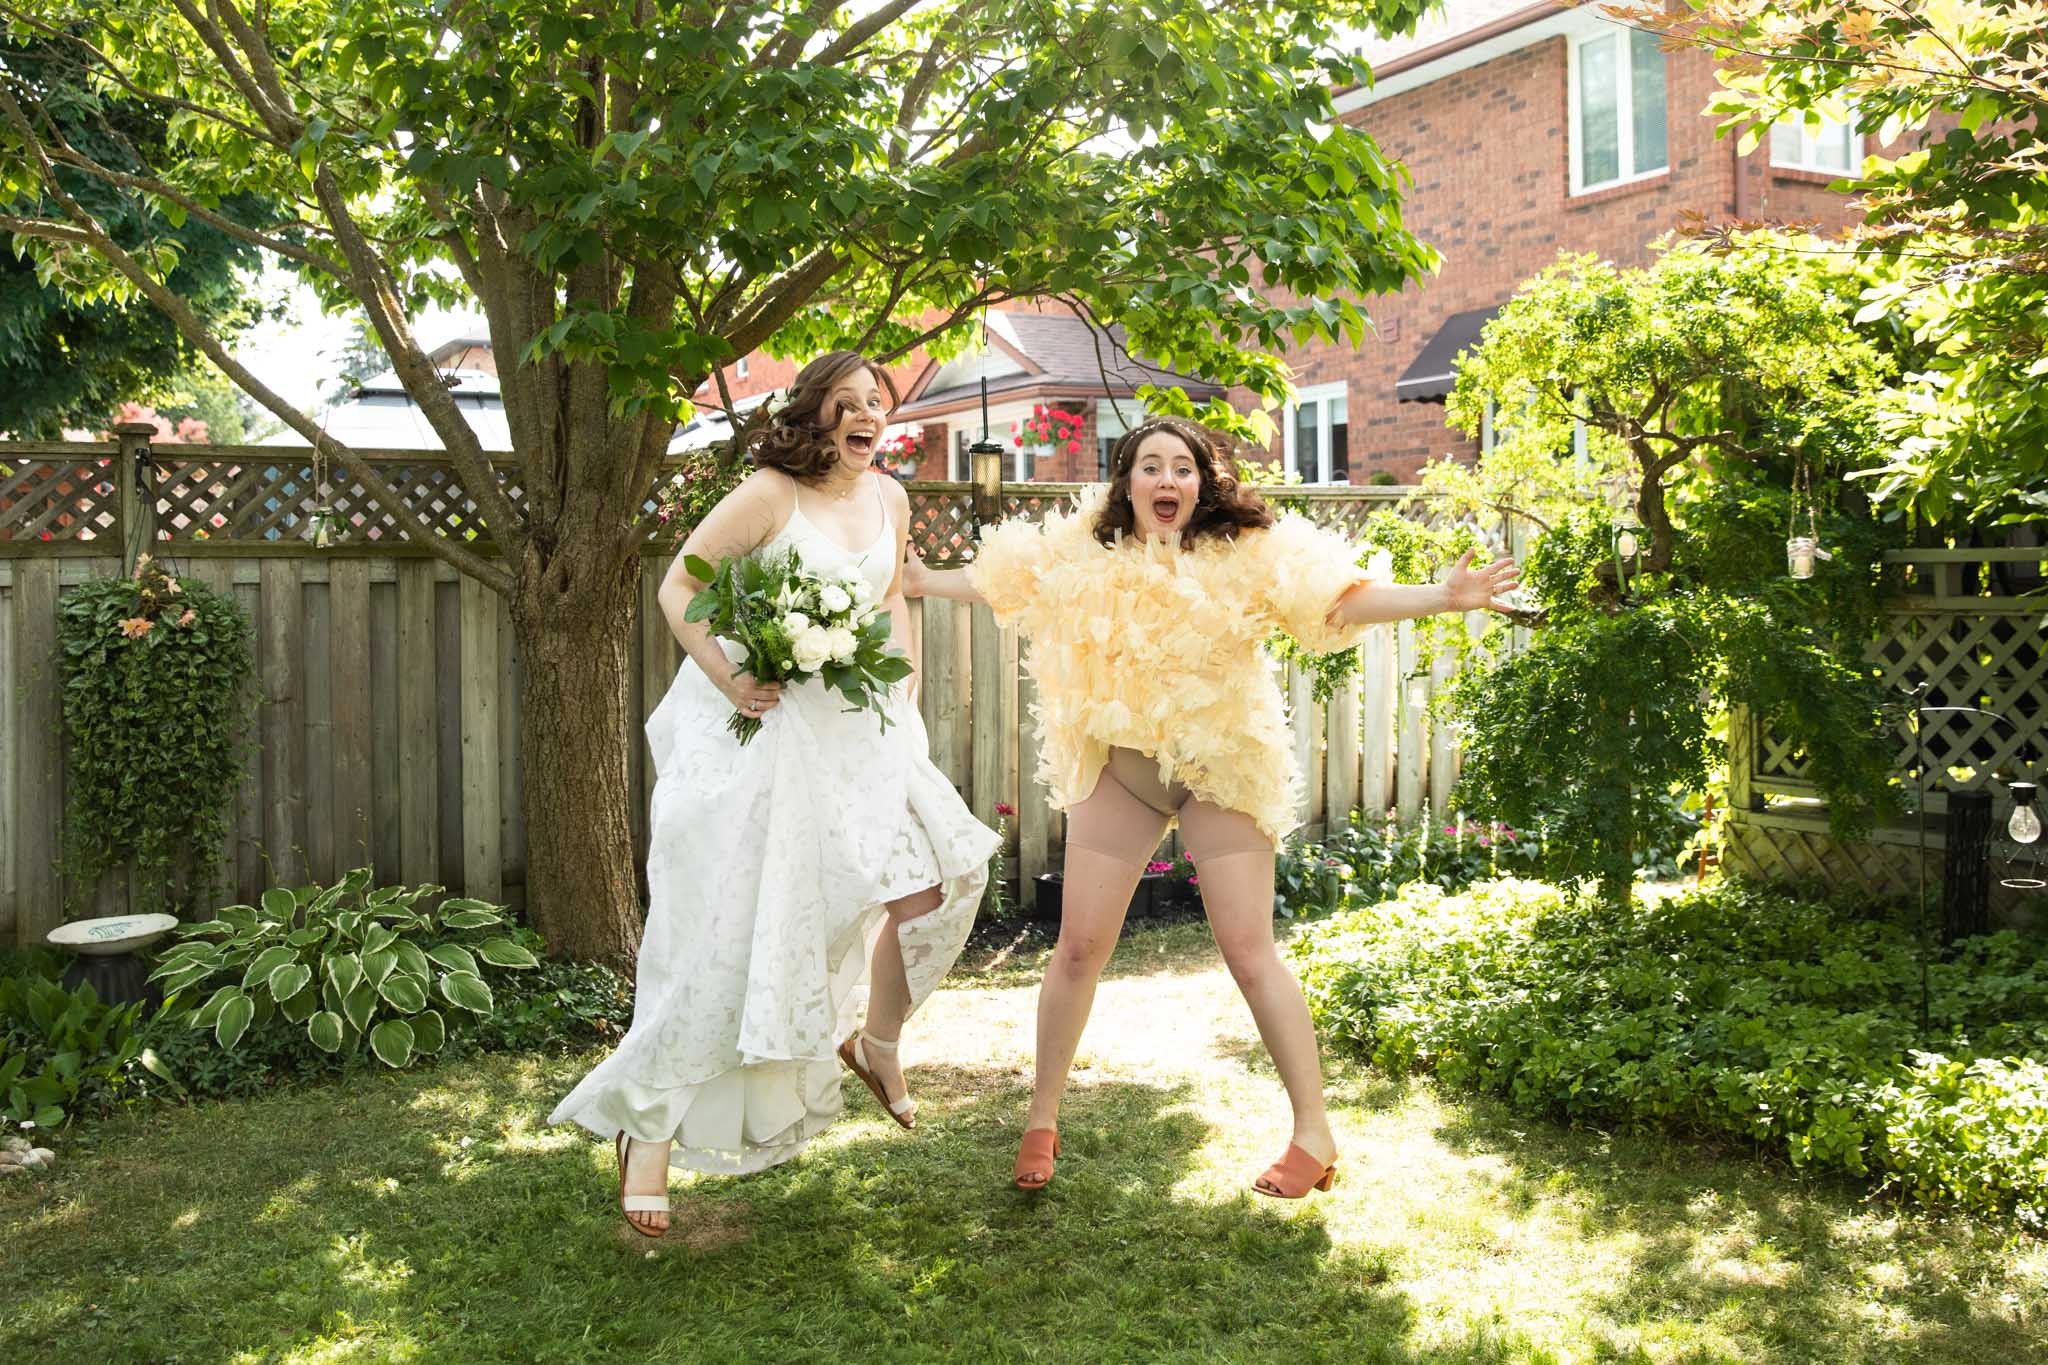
[1223, 506]
[794, 440]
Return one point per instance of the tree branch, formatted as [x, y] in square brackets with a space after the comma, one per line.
[861, 30]
[196, 333]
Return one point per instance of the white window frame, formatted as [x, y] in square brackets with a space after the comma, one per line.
[1807, 143]
[739, 370]
[1624, 98]
[1316, 393]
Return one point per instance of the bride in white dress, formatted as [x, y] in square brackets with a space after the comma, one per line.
[824, 868]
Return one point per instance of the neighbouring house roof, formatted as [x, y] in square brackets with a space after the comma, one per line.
[1460, 34]
[1034, 353]
[381, 415]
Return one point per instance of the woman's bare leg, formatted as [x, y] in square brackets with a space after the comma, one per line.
[889, 989]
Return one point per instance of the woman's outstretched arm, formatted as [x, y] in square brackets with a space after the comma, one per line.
[1463, 589]
[919, 581]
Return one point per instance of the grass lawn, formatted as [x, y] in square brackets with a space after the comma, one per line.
[429, 1217]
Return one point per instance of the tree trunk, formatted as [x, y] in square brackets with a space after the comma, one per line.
[575, 619]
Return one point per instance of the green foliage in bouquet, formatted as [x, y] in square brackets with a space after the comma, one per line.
[347, 962]
[795, 625]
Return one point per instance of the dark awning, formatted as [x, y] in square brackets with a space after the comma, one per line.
[1436, 369]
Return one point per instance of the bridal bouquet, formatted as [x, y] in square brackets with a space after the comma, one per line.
[793, 626]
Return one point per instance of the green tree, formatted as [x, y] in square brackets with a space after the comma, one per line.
[634, 193]
[1711, 390]
[1961, 215]
[69, 357]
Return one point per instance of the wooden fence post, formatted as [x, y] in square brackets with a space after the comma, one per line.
[134, 490]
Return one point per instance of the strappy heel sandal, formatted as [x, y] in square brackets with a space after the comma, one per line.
[1035, 1156]
[854, 1053]
[630, 1204]
[1295, 1174]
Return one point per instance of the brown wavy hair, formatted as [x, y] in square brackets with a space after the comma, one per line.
[1223, 506]
[794, 440]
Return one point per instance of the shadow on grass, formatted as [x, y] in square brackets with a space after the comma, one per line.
[428, 1216]
[1810, 1263]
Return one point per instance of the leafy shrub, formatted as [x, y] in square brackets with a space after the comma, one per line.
[63, 1051]
[1729, 1010]
[559, 1007]
[1367, 860]
[153, 675]
[334, 959]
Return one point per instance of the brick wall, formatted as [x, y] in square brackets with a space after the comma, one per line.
[1487, 149]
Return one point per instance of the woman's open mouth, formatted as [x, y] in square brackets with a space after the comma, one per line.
[861, 442]
[1165, 509]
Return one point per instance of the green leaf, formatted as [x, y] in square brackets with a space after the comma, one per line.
[411, 959]
[403, 992]
[503, 952]
[378, 965]
[344, 971]
[359, 1005]
[279, 905]
[465, 991]
[429, 1031]
[375, 939]
[234, 1020]
[454, 957]
[324, 1029]
[266, 962]
[471, 919]
[299, 1008]
[392, 1041]
[205, 1015]
[289, 980]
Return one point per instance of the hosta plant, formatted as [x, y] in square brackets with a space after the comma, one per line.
[349, 963]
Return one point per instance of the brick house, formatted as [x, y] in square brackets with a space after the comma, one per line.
[1044, 368]
[1528, 130]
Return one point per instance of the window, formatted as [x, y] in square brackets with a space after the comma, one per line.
[1318, 435]
[1617, 109]
[1829, 147]
[1112, 420]
[740, 370]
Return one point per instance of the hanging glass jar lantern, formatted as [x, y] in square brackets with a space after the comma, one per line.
[1626, 543]
[1802, 552]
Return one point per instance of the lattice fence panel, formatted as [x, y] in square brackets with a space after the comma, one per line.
[272, 500]
[57, 500]
[1995, 662]
[1774, 854]
[942, 526]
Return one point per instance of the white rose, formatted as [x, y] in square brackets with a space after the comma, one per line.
[811, 647]
[834, 598]
[795, 624]
[863, 591]
[842, 643]
[788, 596]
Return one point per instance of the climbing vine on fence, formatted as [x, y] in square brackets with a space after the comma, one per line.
[154, 671]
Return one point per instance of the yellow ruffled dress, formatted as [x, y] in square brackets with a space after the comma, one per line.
[1150, 646]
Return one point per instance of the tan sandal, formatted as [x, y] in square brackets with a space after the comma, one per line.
[1035, 1156]
[854, 1053]
[630, 1204]
[1295, 1174]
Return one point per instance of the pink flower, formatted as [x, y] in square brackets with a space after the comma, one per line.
[1073, 447]
[1004, 808]
[188, 618]
[1485, 842]
[135, 627]
[1194, 881]
[1155, 866]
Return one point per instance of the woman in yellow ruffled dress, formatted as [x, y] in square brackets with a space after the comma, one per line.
[1147, 608]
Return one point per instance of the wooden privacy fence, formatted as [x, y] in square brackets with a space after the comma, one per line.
[385, 719]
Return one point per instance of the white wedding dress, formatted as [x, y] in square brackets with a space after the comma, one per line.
[767, 870]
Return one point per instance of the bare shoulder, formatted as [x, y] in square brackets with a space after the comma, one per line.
[895, 494]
